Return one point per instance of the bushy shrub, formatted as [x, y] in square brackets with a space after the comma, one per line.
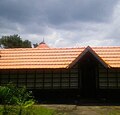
[12, 95]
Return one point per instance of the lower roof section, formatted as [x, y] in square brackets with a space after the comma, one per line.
[36, 58]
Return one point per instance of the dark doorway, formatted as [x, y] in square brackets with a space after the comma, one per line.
[88, 66]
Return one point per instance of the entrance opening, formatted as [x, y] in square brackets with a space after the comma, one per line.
[88, 66]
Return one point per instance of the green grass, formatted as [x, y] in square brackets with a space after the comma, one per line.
[38, 110]
[34, 110]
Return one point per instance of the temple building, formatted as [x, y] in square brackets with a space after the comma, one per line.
[87, 71]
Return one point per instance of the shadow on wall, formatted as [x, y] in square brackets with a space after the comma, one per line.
[62, 97]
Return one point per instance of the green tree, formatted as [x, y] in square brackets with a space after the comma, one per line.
[14, 41]
[35, 45]
[6, 95]
[26, 44]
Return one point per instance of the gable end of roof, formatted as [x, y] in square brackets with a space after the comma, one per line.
[89, 49]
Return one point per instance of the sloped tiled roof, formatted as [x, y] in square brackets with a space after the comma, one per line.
[28, 58]
[21, 58]
[110, 55]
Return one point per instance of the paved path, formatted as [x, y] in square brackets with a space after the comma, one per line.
[86, 110]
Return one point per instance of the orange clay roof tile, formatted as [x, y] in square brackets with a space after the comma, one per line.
[20, 58]
[31, 58]
[111, 55]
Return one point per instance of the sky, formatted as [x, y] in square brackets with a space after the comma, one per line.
[62, 23]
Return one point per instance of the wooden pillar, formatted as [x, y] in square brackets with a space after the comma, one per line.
[79, 77]
[52, 79]
[97, 76]
[69, 78]
[26, 78]
[17, 77]
[117, 79]
[35, 80]
[60, 78]
[107, 78]
[0, 77]
[9, 76]
[43, 78]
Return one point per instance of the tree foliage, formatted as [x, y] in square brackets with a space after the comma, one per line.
[12, 95]
[14, 41]
[35, 45]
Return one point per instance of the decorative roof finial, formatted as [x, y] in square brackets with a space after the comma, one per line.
[43, 40]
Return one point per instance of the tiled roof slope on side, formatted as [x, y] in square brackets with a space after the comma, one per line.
[30, 58]
[110, 55]
[27, 58]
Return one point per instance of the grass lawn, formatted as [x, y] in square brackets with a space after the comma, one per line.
[34, 110]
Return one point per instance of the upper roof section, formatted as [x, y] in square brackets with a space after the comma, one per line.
[42, 45]
[32, 58]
